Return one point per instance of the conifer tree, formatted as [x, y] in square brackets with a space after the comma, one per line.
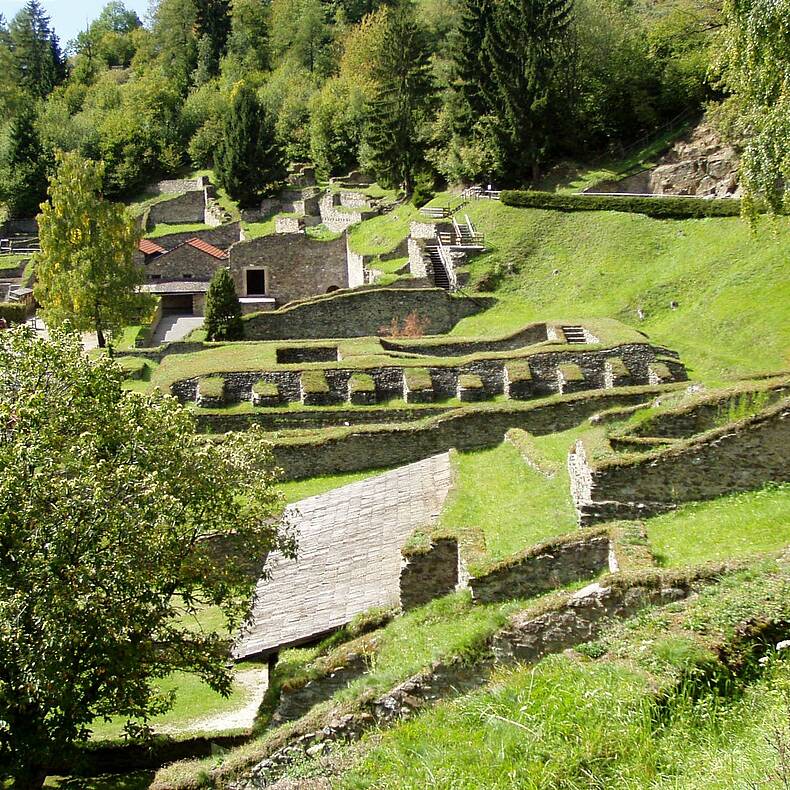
[24, 183]
[213, 26]
[394, 139]
[223, 310]
[248, 159]
[472, 71]
[523, 48]
[36, 51]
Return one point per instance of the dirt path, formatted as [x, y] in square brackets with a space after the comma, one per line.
[254, 683]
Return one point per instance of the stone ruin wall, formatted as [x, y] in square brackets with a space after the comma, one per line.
[429, 574]
[741, 457]
[360, 313]
[463, 430]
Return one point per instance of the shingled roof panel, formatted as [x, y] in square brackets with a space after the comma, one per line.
[209, 249]
[148, 247]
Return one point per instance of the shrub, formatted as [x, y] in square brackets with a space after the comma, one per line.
[659, 207]
[223, 309]
[13, 312]
[413, 325]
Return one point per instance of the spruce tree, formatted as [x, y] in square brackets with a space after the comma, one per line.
[212, 28]
[471, 69]
[523, 49]
[393, 138]
[223, 310]
[25, 167]
[36, 52]
[248, 159]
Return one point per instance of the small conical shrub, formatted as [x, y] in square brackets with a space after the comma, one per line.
[223, 309]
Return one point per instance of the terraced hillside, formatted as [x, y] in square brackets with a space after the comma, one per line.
[613, 370]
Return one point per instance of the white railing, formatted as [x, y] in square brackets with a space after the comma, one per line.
[447, 262]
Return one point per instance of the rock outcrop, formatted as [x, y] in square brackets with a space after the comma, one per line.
[698, 164]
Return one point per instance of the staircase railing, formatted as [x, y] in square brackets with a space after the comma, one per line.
[447, 262]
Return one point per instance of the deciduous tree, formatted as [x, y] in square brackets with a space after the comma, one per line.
[86, 275]
[756, 62]
[121, 524]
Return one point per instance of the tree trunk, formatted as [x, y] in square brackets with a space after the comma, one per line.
[30, 777]
[100, 337]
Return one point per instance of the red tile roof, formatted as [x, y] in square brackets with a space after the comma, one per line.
[209, 249]
[149, 247]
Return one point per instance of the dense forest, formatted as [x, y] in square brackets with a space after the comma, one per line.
[413, 92]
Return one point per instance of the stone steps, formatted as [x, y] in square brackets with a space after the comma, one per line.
[574, 334]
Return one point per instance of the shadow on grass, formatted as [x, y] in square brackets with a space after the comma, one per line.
[140, 780]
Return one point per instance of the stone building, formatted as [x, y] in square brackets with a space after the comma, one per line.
[268, 272]
[181, 276]
[290, 266]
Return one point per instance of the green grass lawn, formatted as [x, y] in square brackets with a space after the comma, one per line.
[194, 700]
[8, 262]
[295, 490]
[730, 527]
[383, 233]
[165, 230]
[510, 503]
[623, 721]
[731, 286]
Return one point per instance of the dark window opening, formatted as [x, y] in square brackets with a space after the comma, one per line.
[256, 282]
[187, 276]
[156, 276]
[332, 288]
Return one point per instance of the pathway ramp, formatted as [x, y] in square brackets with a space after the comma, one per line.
[349, 555]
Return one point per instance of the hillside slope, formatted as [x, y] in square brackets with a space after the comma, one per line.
[710, 288]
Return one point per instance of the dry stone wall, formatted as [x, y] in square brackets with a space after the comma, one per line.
[737, 457]
[527, 637]
[187, 208]
[429, 573]
[339, 216]
[360, 313]
[463, 429]
[545, 567]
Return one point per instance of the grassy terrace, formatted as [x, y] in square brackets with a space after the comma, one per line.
[383, 233]
[740, 525]
[730, 285]
[355, 353]
[645, 713]
[165, 229]
[8, 262]
[501, 505]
